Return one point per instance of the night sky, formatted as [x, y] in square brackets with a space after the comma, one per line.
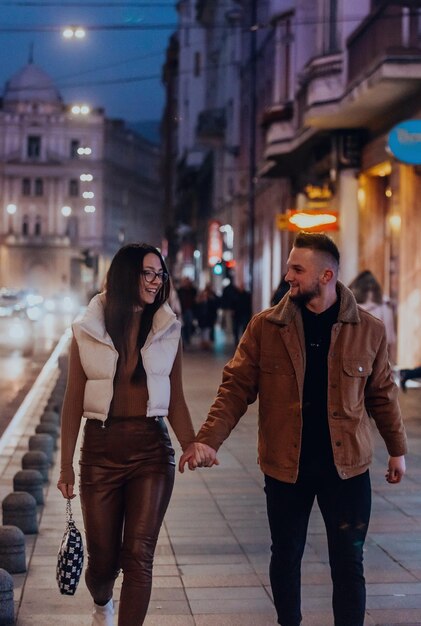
[115, 56]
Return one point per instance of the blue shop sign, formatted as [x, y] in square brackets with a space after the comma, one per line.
[404, 142]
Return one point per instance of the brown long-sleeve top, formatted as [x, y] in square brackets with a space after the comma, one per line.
[129, 400]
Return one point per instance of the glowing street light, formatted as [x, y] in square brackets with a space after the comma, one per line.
[11, 209]
[80, 109]
[66, 211]
[89, 208]
[74, 32]
[86, 178]
[81, 151]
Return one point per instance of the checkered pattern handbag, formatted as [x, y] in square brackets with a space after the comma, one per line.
[70, 557]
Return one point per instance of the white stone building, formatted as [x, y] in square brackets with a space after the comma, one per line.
[74, 187]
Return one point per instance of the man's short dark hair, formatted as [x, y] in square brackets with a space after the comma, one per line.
[317, 241]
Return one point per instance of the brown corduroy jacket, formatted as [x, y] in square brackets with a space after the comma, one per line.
[270, 363]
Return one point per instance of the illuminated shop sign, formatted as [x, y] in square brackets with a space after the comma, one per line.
[215, 244]
[404, 142]
[311, 221]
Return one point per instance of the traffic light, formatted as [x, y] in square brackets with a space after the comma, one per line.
[218, 269]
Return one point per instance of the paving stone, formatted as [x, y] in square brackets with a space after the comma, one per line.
[212, 558]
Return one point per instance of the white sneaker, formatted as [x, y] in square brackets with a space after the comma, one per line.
[103, 615]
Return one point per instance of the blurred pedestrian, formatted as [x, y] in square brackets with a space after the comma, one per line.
[409, 374]
[227, 302]
[280, 291]
[319, 366]
[174, 302]
[241, 314]
[369, 295]
[187, 294]
[206, 312]
[124, 377]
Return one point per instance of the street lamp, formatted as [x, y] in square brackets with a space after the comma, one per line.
[80, 109]
[11, 210]
[74, 32]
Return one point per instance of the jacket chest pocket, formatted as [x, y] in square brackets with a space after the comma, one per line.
[354, 378]
[359, 368]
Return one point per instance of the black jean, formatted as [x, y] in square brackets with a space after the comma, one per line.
[345, 506]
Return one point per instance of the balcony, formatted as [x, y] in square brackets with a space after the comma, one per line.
[322, 84]
[384, 62]
[189, 166]
[384, 70]
[36, 241]
[277, 121]
[211, 126]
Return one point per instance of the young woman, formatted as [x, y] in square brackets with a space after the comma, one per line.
[369, 295]
[124, 377]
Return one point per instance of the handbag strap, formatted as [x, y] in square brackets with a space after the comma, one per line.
[69, 514]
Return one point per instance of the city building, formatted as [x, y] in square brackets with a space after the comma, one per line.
[74, 187]
[291, 130]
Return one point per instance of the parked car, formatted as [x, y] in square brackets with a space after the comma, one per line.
[63, 302]
[18, 311]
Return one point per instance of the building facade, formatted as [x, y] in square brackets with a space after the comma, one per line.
[74, 187]
[315, 89]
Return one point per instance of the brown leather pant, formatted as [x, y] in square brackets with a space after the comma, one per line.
[126, 481]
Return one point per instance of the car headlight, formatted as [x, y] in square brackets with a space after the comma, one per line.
[68, 304]
[50, 305]
[17, 331]
[34, 313]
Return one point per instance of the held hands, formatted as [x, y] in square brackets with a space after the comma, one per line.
[396, 469]
[198, 455]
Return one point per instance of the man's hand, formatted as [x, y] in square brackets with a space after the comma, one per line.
[396, 469]
[198, 455]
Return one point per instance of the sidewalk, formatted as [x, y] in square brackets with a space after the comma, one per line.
[211, 566]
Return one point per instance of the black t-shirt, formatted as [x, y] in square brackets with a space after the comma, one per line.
[316, 447]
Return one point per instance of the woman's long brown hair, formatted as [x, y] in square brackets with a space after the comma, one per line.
[123, 297]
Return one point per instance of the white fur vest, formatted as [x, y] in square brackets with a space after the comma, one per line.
[99, 359]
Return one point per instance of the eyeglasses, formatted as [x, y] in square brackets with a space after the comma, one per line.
[150, 276]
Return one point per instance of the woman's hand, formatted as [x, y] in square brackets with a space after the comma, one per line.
[198, 455]
[67, 490]
[66, 482]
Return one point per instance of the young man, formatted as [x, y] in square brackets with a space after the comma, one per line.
[319, 365]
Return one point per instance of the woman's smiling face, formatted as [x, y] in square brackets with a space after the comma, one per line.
[152, 269]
